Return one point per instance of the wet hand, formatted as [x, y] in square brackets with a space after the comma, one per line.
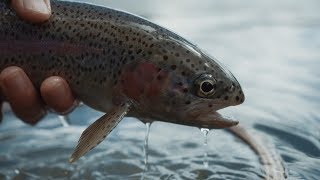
[26, 101]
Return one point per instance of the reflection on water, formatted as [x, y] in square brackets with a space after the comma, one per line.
[272, 48]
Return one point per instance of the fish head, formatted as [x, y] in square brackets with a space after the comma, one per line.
[187, 87]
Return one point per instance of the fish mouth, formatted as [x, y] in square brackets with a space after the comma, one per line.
[215, 120]
[199, 115]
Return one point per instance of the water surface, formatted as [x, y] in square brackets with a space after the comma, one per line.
[271, 47]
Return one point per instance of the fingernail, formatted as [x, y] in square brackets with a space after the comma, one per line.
[61, 88]
[40, 6]
[57, 94]
[13, 80]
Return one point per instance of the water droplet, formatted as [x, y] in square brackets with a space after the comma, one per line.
[205, 132]
[65, 120]
[145, 150]
[146, 143]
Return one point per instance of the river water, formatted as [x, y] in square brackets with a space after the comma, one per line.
[272, 47]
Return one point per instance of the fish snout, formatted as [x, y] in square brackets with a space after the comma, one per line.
[237, 96]
[233, 90]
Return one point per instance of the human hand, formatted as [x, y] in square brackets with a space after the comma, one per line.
[26, 101]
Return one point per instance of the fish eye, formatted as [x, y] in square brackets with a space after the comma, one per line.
[206, 85]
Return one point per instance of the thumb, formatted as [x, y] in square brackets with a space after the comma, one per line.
[35, 11]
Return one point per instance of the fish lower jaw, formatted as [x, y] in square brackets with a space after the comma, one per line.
[213, 120]
[221, 122]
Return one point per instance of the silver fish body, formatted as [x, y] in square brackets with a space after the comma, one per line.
[121, 63]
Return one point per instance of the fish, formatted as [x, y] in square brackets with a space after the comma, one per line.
[120, 64]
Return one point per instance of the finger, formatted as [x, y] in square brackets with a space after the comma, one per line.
[21, 94]
[57, 94]
[35, 11]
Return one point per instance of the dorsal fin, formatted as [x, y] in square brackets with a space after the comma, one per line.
[98, 131]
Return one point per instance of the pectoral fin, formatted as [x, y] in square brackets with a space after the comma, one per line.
[98, 131]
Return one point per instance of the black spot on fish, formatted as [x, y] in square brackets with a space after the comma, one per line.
[173, 67]
[139, 51]
[185, 90]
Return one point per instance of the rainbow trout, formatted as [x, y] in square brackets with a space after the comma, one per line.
[120, 64]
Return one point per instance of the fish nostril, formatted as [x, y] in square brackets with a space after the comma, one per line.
[231, 88]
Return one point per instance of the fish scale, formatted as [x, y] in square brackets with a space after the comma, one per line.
[120, 63]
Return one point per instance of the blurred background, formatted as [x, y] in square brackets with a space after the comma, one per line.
[272, 48]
